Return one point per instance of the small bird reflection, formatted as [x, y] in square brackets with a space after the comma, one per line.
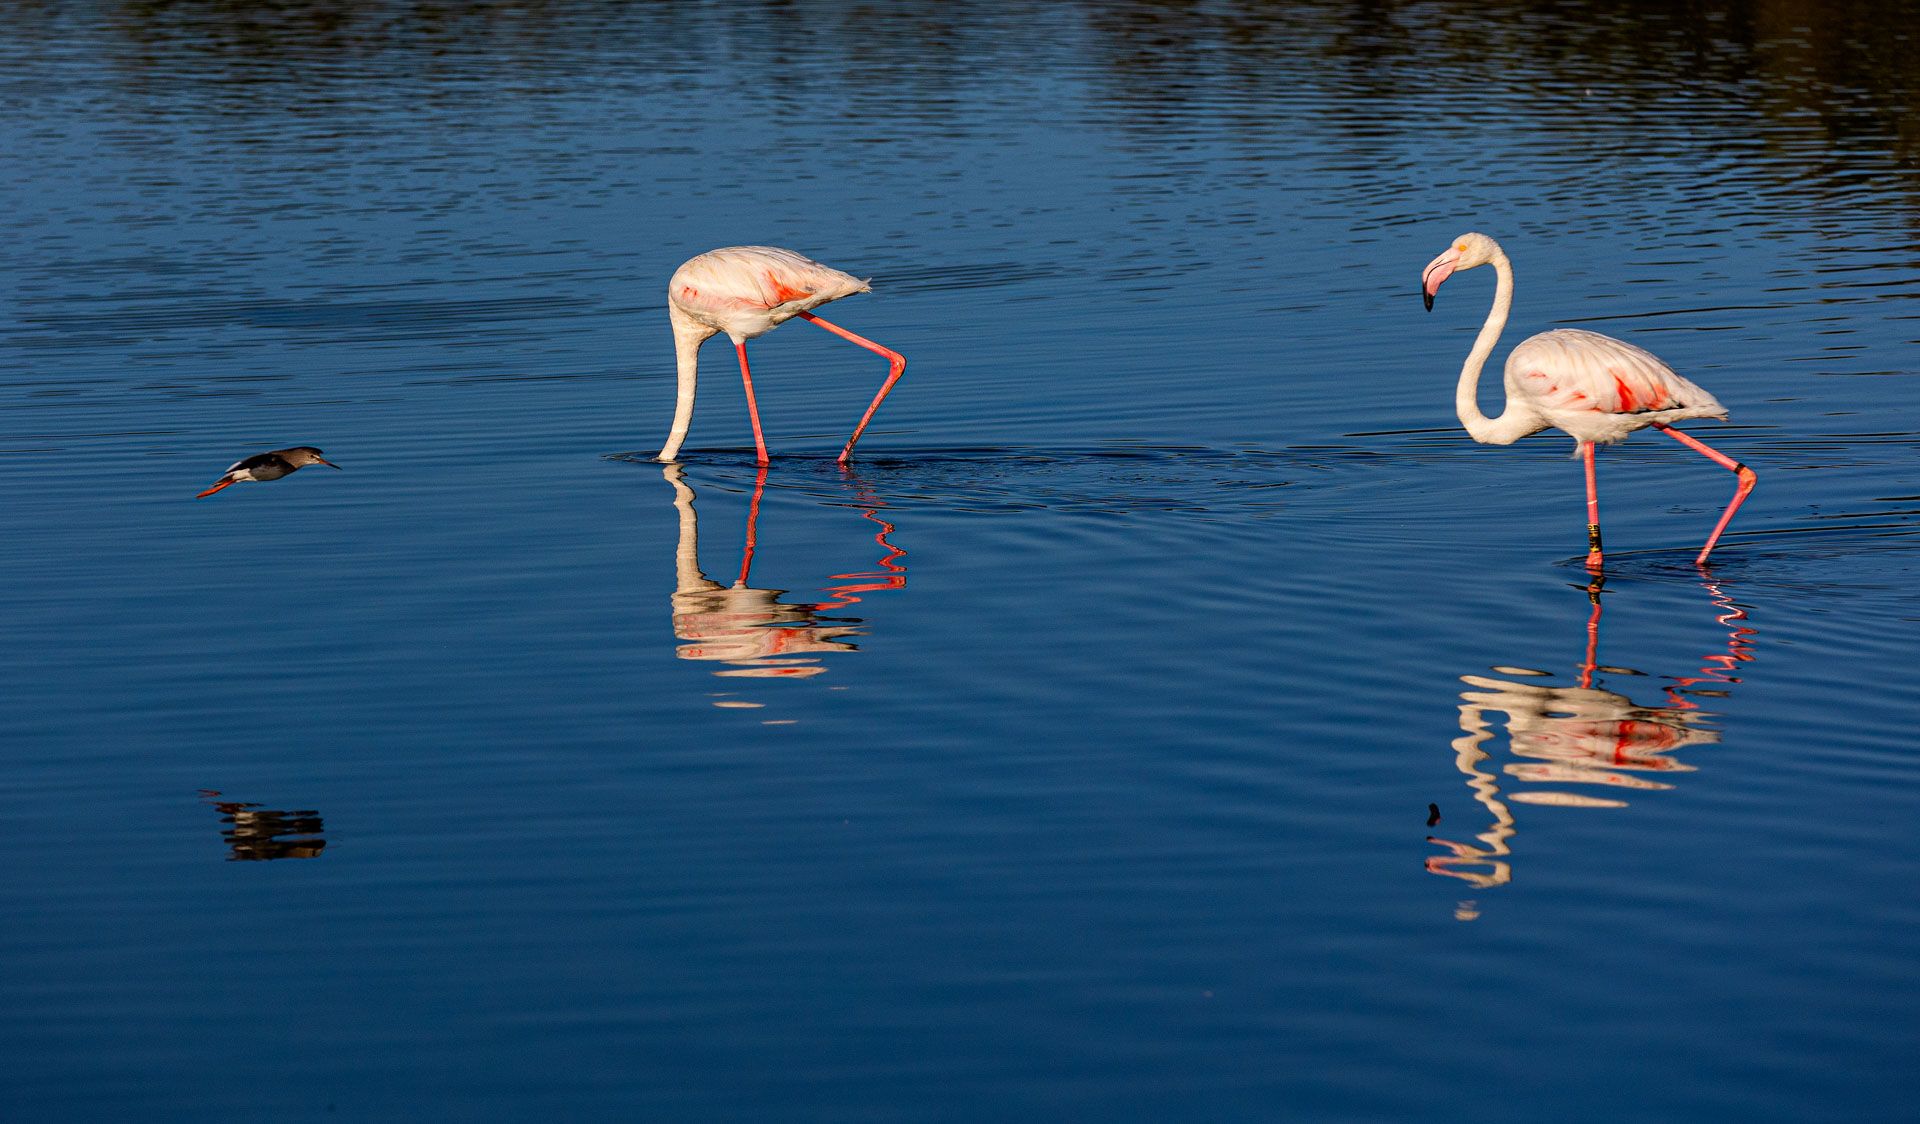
[752, 630]
[257, 834]
[1578, 735]
[268, 466]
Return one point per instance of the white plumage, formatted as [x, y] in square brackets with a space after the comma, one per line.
[1599, 389]
[748, 291]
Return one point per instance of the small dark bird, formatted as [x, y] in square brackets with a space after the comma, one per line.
[269, 466]
[1433, 814]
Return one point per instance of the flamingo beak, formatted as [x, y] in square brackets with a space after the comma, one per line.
[1438, 270]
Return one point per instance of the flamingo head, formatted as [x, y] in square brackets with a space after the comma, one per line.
[1467, 251]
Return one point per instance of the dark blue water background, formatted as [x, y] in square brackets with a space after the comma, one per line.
[1070, 757]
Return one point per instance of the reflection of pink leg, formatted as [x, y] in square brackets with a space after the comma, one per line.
[753, 520]
[895, 576]
[1593, 633]
[753, 411]
[896, 366]
[1718, 668]
[1748, 478]
[1593, 510]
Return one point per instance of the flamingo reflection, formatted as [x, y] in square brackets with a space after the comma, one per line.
[1578, 735]
[255, 834]
[752, 630]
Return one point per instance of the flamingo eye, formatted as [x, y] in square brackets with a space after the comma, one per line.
[1461, 248]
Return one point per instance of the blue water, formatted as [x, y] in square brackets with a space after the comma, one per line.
[1070, 756]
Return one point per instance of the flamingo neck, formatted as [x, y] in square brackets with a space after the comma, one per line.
[688, 335]
[1515, 421]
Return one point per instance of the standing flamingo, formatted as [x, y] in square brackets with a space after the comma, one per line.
[1594, 388]
[747, 291]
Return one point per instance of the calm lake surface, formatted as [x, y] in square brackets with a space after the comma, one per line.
[1069, 757]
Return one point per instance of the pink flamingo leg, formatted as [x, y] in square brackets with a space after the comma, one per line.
[753, 411]
[896, 366]
[1593, 511]
[1748, 478]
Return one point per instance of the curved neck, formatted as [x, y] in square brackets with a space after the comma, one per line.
[1514, 422]
[688, 335]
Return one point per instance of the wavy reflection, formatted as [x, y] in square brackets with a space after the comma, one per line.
[1580, 735]
[751, 629]
[258, 834]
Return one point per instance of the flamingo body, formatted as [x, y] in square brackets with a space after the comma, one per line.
[1595, 388]
[1598, 389]
[748, 291]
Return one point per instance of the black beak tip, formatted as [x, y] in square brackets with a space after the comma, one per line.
[1427, 298]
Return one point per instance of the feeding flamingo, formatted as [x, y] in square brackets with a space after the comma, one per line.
[747, 291]
[1594, 388]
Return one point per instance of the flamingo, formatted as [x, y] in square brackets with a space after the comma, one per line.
[748, 291]
[1594, 388]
